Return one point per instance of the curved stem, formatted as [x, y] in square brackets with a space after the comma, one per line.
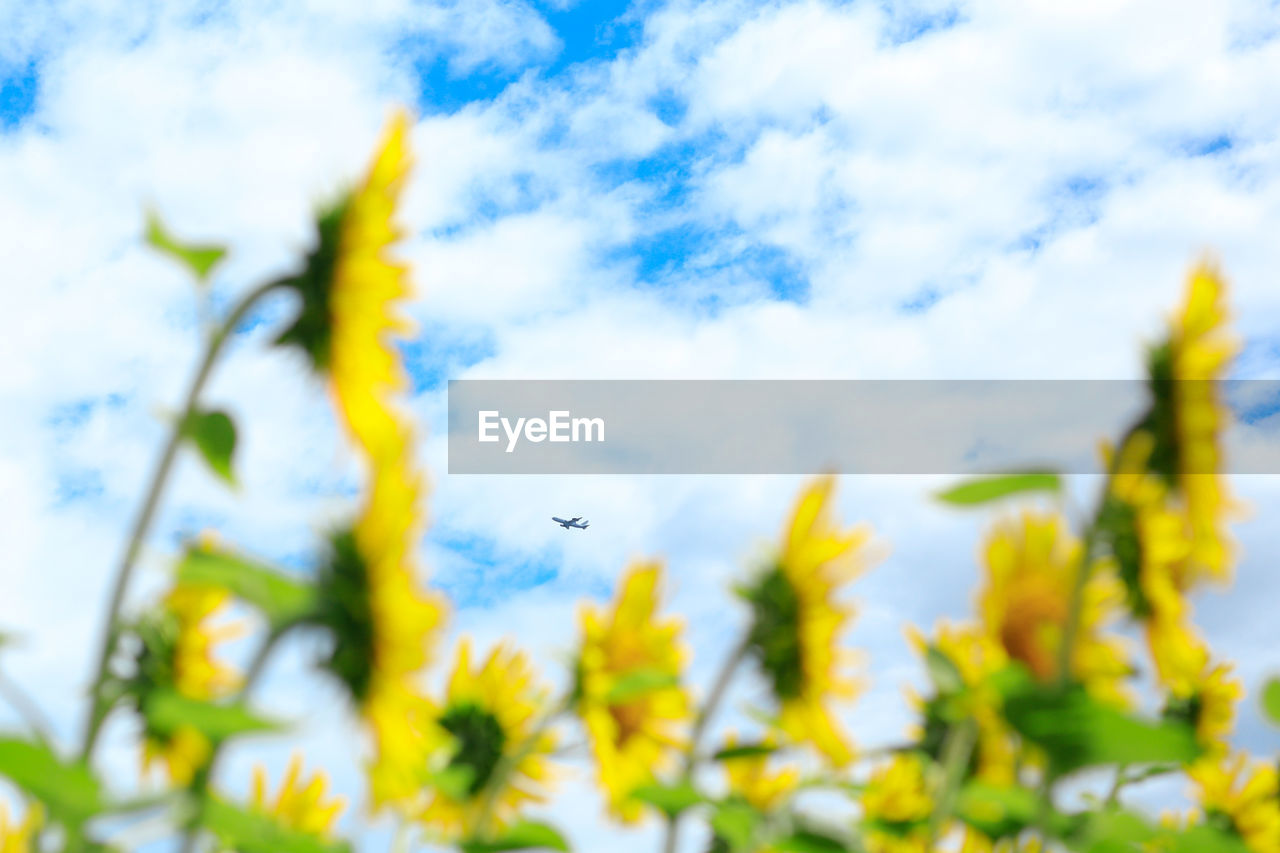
[958, 749]
[718, 690]
[124, 570]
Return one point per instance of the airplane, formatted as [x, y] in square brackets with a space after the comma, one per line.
[566, 523]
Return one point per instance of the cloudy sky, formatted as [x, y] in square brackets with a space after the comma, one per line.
[923, 189]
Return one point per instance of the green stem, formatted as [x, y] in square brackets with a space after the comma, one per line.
[1122, 779]
[718, 690]
[124, 570]
[199, 788]
[957, 749]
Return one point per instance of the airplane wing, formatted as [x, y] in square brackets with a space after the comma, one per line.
[576, 518]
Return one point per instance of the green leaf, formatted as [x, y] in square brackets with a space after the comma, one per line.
[735, 822]
[167, 711]
[639, 682]
[671, 800]
[999, 811]
[1077, 731]
[1271, 699]
[744, 750]
[982, 490]
[214, 435]
[200, 259]
[1111, 831]
[1203, 838]
[525, 835]
[280, 598]
[66, 788]
[252, 832]
[808, 841]
[943, 671]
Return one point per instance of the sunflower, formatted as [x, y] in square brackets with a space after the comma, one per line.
[1032, 568]
[349, 289]
[176, 653]
[976, 657]
[797, 621]
[1205, 695]
[751, 779]
[1244, 797]
[383, 625]
[896, 807]
[628, 690]
[1187, 418]
[300, 804]
[488, 751]
[20, 837]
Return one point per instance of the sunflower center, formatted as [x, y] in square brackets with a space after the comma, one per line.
[311, 330]
[480, 741]
[1033, 626]
[775, 632]
[629, 719]
[347, 613]
[1185, 710]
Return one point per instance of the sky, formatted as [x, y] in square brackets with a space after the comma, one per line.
[921, 189]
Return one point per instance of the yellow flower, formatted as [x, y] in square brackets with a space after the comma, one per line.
[383, 624]
[751, 779]
[1246, 797]
[1032, 568]
[628, 690]
[797, 621]
[349, 289]
[1149, 541]
[20, 837]
[177, 653]
[1187, 418]
[976, 657]
[489, 751]
[300, 804]
[1205, 695]
[896, 807]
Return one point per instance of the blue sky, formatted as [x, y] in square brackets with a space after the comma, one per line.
[720, 189]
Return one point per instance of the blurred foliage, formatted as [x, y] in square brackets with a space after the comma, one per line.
[1035, 688]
